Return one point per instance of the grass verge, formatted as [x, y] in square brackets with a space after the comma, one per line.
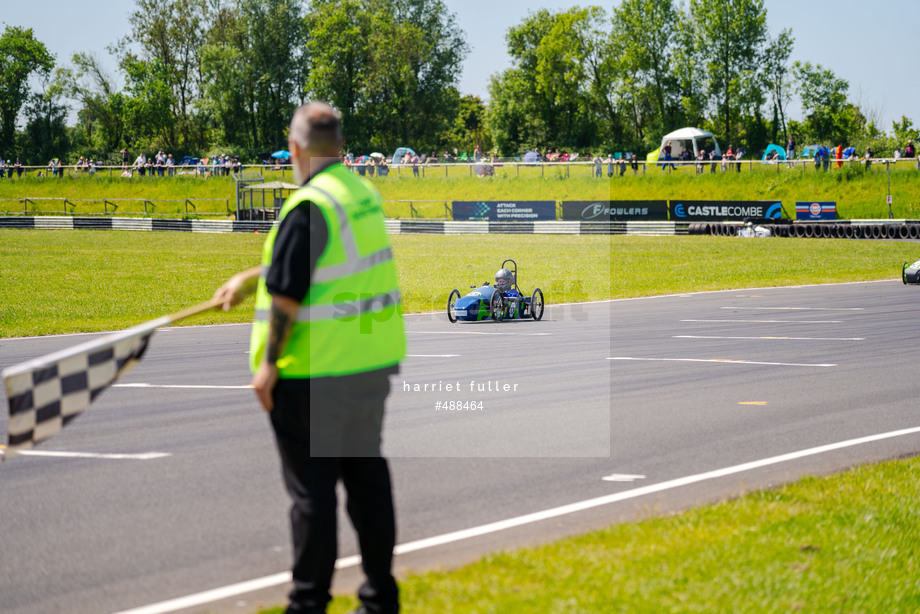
[843, 543]
[84, 281]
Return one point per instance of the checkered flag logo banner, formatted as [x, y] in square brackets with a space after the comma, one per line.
[45, 394]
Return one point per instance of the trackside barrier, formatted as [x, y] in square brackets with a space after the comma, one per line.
[392, 226]
[839, 229]
[537, 227]
[131, 223]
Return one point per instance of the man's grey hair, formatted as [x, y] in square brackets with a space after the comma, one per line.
[317, 127]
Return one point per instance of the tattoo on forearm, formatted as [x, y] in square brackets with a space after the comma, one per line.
[279, 330]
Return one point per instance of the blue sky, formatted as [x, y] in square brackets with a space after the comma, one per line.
[870, 44]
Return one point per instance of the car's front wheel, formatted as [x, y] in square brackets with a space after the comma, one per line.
[536, 304]
[451, 301]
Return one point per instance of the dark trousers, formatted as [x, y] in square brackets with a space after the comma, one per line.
[346, 415]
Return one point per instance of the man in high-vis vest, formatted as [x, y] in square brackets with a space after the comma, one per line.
[327, 335]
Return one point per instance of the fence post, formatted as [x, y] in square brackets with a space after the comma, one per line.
[447, 213]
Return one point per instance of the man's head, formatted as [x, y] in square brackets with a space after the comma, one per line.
[314, 138]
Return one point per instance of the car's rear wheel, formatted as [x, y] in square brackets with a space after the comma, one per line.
[904, 273]
[451, 301]
[497, 306]
[536, 304]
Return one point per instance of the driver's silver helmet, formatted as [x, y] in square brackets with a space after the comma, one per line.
[504, 280]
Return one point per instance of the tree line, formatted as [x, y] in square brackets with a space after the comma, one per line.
[201, 77]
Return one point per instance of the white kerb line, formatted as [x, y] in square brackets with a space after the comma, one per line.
[197, 599]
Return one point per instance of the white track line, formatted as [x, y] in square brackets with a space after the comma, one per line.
[772, 321]
[432, 355]
[771, 338]
[233, 590]
[800, 308]
[724, 361]
[54, 454]
[471, 332]
[182, 386]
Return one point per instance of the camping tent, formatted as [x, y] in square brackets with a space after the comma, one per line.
[780, 153]
[531, 156]
[400, 153]
[692, 140]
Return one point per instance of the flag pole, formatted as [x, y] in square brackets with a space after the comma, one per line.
[47, 392]
[214, 303]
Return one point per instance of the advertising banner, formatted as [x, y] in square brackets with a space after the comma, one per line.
[816, 211]
[614, 210]
[721, 210]
[503, 210]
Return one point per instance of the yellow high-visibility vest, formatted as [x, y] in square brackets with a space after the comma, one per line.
[350, 320]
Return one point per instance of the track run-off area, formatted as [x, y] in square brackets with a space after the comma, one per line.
[166, 495]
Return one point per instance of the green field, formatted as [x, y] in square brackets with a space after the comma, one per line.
[859, 194]
[845, 543]
[80, 281]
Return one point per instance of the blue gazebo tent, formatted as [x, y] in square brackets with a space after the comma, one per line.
[809, 151]
[780, 152]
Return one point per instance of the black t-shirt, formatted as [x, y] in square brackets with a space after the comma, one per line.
[301, 239]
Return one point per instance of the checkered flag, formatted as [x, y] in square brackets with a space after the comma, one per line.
[45, 394]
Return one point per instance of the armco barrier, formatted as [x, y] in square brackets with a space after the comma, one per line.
[844, 229]
[538, 227]
[392, 226]
[131, 223]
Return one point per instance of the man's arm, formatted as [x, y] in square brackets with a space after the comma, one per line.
[237, 288]
[282, 315]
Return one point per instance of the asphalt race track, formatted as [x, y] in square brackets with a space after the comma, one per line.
[170, 486]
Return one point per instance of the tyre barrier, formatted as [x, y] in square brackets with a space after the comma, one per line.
[903, 231]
